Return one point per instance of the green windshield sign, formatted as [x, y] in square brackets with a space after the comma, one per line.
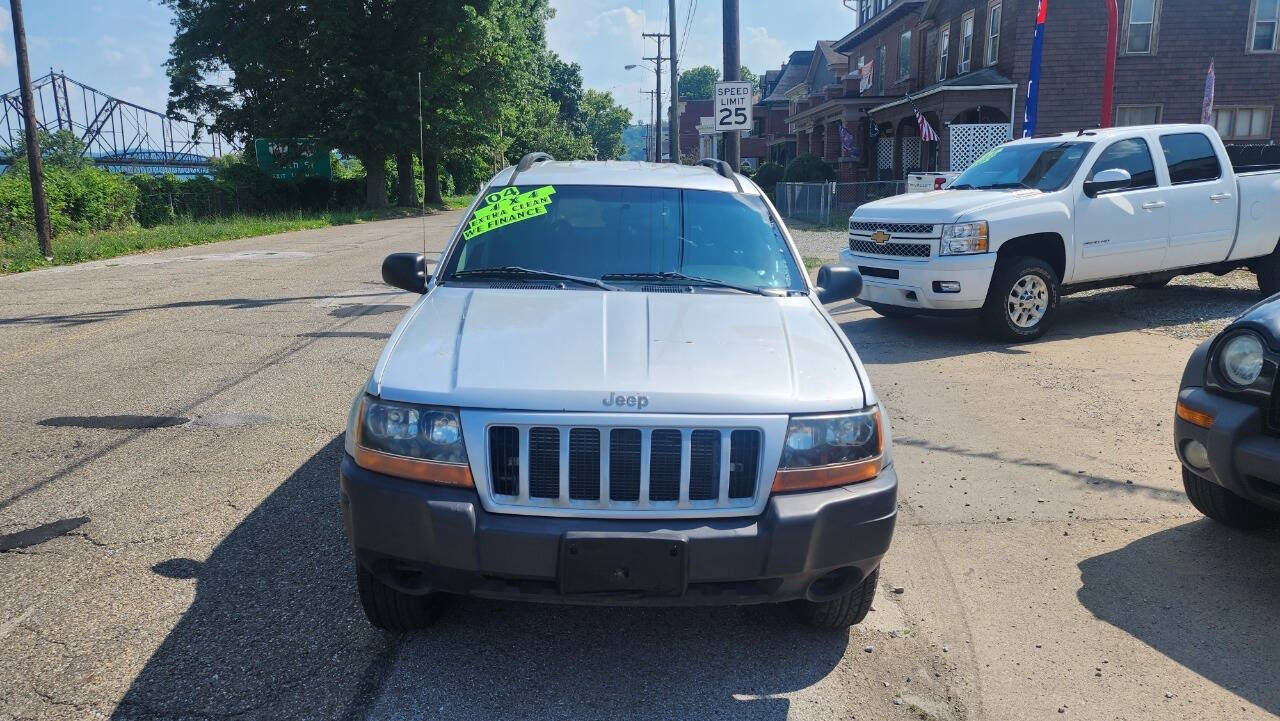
[508, 206]
[291, 158]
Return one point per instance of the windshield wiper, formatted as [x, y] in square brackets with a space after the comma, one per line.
[673, 275]
[515, 271]
[962, 186]
[1009, 186]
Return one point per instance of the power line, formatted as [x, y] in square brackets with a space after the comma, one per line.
[688, 23]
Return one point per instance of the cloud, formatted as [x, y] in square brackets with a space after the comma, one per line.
[6, 32]
[130, 59]
[761, 51]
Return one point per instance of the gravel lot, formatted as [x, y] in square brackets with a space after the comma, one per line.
[1050, 566]
[1193, 307]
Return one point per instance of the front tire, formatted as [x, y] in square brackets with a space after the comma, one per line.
[1022, 299]
[1224, 506]
[844, 611]
[1268, 271]
[891, 311]
[393, 610]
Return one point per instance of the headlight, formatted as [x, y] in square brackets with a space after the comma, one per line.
[411, 441]
[1240, 359]
[831, 450]
[964, 238]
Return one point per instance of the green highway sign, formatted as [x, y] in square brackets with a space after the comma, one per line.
[291, 158]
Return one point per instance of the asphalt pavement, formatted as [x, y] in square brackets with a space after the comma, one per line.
[171, 547]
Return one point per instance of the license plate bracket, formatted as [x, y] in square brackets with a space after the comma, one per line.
[603, 563]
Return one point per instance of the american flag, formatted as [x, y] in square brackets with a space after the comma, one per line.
[1206, 107]
[927, 133]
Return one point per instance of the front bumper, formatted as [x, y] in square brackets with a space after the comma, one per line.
[421, 538]
[913, 287]
[1242, 458]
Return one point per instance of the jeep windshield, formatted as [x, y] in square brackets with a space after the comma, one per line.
[618, 237]
[1038, 166]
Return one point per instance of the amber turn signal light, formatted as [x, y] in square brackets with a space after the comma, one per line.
[1193, 416]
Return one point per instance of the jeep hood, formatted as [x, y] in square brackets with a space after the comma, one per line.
[570, 350]
[940, 206]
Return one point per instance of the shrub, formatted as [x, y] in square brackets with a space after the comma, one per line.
[79, 201]
[808, 169]
[769, 175]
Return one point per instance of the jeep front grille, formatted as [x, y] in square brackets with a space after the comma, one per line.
[624, 469]
[902, 250]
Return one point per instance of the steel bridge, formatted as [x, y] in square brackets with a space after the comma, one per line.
[118, 135]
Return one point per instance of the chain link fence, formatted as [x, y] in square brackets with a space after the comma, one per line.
[830, 204]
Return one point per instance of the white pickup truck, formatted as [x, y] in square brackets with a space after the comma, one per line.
[1040, 217]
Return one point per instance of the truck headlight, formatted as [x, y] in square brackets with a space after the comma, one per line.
[1240, 359]
[822, 451]
[964, 238]
[422, 443]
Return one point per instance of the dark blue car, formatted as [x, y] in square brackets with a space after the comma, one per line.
[1227, 430]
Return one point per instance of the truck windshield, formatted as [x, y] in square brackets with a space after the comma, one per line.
[586, 233]
[1040, 166]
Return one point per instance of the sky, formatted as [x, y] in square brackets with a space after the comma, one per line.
[119, 46]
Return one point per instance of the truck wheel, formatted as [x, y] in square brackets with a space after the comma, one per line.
[842, 612]
[1224, 506]
[1268, 271]
[1022, 298]
[392, 610]
[891, 311]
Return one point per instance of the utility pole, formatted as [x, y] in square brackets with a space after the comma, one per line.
[43, 231]
[674, 121]
[651, 142]
[732, 62]
[658, 74]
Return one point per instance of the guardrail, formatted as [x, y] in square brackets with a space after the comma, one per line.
[830, 204]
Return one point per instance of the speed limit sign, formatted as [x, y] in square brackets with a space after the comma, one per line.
[733, 105]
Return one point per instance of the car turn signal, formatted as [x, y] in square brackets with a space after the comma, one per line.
[1193, 416]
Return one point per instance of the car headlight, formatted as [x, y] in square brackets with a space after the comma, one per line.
[964, 238]
[413, 441]
[822, 451]
[1240, 359]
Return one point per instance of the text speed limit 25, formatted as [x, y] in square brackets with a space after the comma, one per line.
[732, 106]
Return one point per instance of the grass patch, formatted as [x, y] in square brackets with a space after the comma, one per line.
[23, 253]
[813, 262]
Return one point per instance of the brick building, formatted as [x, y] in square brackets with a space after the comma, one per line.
[965, 64]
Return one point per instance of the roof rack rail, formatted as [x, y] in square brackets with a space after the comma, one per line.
[723, 169]
[528, 162]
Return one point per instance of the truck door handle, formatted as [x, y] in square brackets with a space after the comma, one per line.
[1153, 205]
[1220, 196]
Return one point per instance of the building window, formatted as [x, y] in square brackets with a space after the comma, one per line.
[1266, 18]
[1243, 123]
[944, 51]
[865, 13]
[1137, 114]
[993, 33]
[966, 44]
[1140, 35]
[904, 56]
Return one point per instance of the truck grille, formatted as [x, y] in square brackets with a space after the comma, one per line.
[624, 468]
[902, 250]
[891, 228]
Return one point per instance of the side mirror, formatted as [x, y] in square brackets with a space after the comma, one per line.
[407, 271]
[837, 283]
[1107, 180]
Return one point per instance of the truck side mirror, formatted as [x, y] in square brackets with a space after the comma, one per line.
[407, 271]
[1107, 180]
[837, 283]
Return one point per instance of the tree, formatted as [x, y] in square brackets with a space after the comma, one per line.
[564, 87]
[698, 83]
[605, 121]
[59, 149]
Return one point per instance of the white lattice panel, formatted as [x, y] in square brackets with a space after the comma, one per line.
[911, 153]
[884, 153]
[969, 142]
